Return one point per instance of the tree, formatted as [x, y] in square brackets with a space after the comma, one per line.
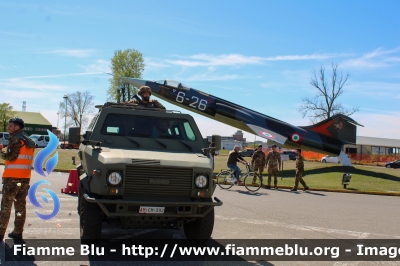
[127, 63]
[79, 108]
[324, 104]
[6, 112]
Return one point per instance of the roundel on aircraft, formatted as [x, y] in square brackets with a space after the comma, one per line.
[268, 135]
[295, 137]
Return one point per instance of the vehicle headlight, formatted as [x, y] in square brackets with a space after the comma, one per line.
[114, 178]
[201, 181]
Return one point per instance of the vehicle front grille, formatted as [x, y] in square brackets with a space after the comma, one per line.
[158, 181]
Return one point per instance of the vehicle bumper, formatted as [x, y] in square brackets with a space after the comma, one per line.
[179, 209]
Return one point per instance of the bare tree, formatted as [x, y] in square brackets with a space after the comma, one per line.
[79, 108]
[324, 104]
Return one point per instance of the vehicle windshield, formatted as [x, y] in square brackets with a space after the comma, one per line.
[34, 137]
[147, 127]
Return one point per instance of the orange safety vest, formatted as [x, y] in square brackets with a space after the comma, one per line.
[21, 167]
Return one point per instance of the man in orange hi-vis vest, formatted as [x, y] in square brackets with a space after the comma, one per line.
[18, 156]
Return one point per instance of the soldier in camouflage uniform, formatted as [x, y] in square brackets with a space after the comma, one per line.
[299, 171]
[145, 93]
[273, 162]
[18, 158]
[258, 162]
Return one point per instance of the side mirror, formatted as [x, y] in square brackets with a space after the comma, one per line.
[87, 135]
[216, 139]
[74, 135]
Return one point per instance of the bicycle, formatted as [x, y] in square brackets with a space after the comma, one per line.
[226, 179]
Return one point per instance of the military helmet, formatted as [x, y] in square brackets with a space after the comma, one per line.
[144, 89]
[18, 121]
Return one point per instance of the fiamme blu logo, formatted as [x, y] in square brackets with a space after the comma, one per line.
[50, 164]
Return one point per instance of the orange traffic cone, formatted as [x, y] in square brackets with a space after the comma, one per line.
[72, 184]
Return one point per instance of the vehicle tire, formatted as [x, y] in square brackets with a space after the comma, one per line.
[90, 219]
[388, 166]
[248, 183]
[224, 180]
[201, 229]
[69, 146]
[324, 161]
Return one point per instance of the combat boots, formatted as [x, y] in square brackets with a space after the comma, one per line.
[15, 235]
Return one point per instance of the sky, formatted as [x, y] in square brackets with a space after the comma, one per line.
[258, 54]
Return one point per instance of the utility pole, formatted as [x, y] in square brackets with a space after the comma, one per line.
[65, 122]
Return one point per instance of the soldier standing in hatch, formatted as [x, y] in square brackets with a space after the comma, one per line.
[145, 93]
[299, 171]
[258, 162]
[273, 163]
[18, 158]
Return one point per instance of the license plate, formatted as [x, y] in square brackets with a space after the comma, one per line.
[151, 209]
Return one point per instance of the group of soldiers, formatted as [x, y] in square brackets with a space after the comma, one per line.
[273, 162]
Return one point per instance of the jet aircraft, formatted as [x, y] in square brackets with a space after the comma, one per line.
[327, 136]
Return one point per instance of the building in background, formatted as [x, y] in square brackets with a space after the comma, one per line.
[35, 123]
[227, 143]
[374, 146]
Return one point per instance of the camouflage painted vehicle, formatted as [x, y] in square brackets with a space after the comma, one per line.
[149, 168]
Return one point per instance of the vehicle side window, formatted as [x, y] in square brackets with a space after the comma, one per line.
[189, 131]
[113, 130]
[40, 138]
[1, 135]
[47, 139]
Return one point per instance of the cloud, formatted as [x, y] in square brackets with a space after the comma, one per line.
[72, 52]
[17, 83]
[378, 125]
[102, 66]
[51, 76]
[238, 59]
[378, 58]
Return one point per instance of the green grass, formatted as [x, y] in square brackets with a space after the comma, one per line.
[329, 176]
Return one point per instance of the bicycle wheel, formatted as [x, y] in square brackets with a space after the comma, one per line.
[252, 183]
[224, 180]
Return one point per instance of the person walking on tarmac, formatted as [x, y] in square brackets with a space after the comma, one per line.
[258, 162]
[299, 171]
[273, 163]
[145, 93]
[234, 157]
[18, 158]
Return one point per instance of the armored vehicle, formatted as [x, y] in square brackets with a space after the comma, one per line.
[148, 168]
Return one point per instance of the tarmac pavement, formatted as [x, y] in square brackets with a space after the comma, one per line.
[266, 214]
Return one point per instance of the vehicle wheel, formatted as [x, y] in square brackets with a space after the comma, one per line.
[388, 166]
[69, 146]
[90, 218]
[224, 180]
[201, 229]
[324, 161]
[250, 186]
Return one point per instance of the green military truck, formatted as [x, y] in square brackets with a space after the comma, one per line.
[148, 167]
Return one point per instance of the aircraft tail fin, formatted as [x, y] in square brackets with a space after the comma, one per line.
[338, 126]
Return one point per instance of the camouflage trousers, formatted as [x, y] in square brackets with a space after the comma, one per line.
[299, 178]
[273, 171]
[258, 168]
[14, 191]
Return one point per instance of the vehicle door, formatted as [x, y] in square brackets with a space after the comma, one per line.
[46, 140]
[40, 142]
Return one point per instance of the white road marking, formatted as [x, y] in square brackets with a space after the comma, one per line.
[360, 235]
